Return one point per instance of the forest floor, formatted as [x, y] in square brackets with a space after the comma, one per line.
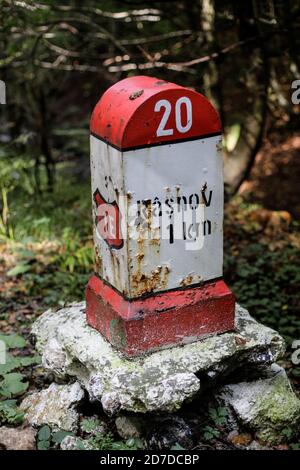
[46, 257]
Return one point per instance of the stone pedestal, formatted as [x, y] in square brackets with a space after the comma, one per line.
[159, 381]
[238, 368]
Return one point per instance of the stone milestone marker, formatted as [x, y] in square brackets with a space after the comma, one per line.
[157, 188]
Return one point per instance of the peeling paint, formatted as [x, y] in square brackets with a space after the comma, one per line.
[187, 280]
[144, 283]
[136, 94]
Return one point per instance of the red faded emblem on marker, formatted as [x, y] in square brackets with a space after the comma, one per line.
[108, 220]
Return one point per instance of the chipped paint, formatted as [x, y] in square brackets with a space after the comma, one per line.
[143, 283]
[188, 280]
[136, 94]
[131, 179]
[152, 322]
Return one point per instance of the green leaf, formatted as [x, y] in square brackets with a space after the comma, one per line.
[44, 433]
[119, 445]
[80, 445]
[43, 445]
[9, 413]
[13, 340]
[213, 413]
[13, 385]
[30, 360]
[287, 432]
[18, 269]
[295, 446]
[89, 425]
[210, 433]
[177, 447]
[11, 363]
[58, 436]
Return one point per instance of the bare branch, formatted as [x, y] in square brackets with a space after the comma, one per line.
[158, 38]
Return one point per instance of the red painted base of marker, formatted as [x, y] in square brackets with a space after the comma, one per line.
[160, 320]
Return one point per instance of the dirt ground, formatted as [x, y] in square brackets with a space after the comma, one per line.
[275, 177]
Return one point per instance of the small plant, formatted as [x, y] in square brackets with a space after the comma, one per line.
[9, 412]
[177, 447]
[46, 437]
[100, 441]
[210, 433]
[295, 446]
[12, 380]
[90, 425]
[218, 415]
[218, 418]
[287, 433]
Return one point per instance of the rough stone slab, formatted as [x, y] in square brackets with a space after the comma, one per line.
[266, 406]
[74, 443]
[54, 406]
[17, 438]
[160, 381]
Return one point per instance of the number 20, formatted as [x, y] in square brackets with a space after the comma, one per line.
[161, 130]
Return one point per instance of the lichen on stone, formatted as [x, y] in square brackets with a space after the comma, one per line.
[55, 406]
[159, 381]
[267, 406]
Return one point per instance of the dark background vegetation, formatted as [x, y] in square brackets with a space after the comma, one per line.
[57, 58]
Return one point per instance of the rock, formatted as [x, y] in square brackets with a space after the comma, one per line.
[256, 446]
[55, 406]
[54, 358]
[74, 443]
[129, 426]
[110, 402]
[266, 406]
[17, 438]
[160, 381]
[168, 432]
[95, 387]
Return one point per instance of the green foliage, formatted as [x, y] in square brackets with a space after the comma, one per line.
[18, 269]
[13, 341]
[265, 279]
[295, 446]
[12, 384]
[52, 243]
[58, 436]
[101, 441]
[288, 433]
[177, 447]
[16, 362]
[218, 415]
[43, 445]
[89, 425]
[218, 419]
[74, 255]
[210, 433]
[44, 433]
[46, 438]
[9, 413]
